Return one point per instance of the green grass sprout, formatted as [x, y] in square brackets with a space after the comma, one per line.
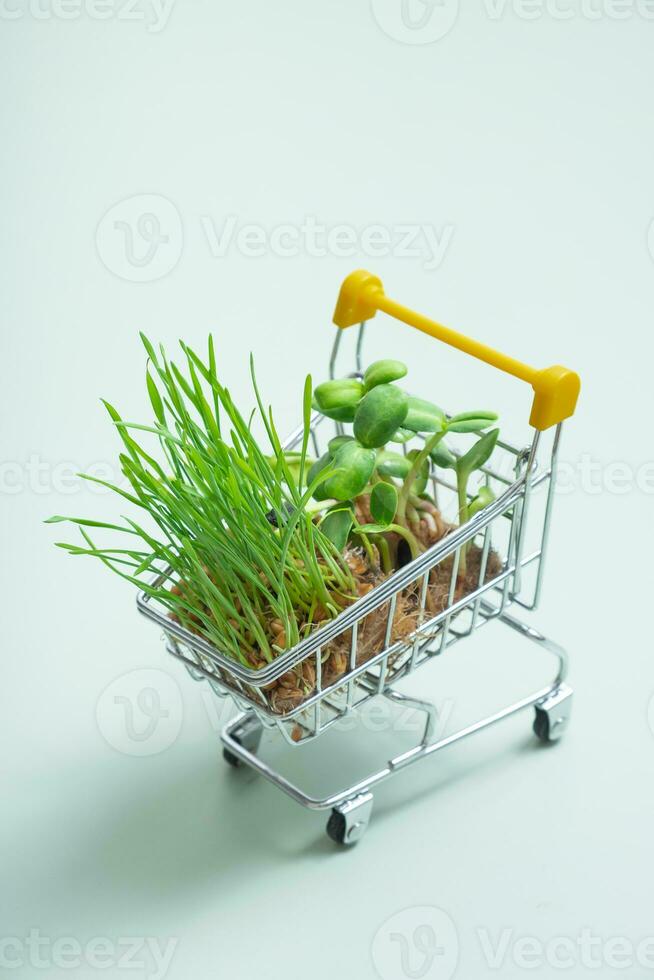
[228, 519]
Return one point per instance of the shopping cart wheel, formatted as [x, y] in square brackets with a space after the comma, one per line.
[553, 714]
[247, 734]
[348, 821]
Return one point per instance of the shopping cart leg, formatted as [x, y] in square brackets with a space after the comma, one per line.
[247, 734]
[553, 714]
[351, 807]
[348, 821]
[554, 709]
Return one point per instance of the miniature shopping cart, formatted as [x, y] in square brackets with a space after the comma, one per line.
[514, 526]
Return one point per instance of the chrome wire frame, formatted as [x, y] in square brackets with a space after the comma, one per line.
[509, 528]
[358, 796]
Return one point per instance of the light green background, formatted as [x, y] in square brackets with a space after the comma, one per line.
[532, 141]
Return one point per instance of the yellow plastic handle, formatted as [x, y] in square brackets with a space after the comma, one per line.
[556, 388]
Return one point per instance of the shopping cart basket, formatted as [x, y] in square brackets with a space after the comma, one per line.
[514, 527]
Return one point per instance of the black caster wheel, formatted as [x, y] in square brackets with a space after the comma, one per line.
[553, 715]
[348, 821]
[336, 827]
[230, 758]
[247, 734]
[542, 725]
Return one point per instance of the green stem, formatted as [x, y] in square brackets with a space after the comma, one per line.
[381, 544]
[420, 503]
[462, 493]
[413, 543]
[368, 548]
[409, 480]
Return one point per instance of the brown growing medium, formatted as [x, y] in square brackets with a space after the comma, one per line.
[298, 684]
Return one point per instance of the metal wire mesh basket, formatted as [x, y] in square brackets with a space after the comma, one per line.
[405, 621]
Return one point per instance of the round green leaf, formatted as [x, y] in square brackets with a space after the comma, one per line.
[334, 444]
[336, 525]
[443, 457]
[355, 465]
[383, 372]
[345, 414]
[392, 464]
[468, 425]
[423, 416]
[471, 421]
[477, 414]
[402, 435]
[379, 415]
[339, 399]
[383, 503]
